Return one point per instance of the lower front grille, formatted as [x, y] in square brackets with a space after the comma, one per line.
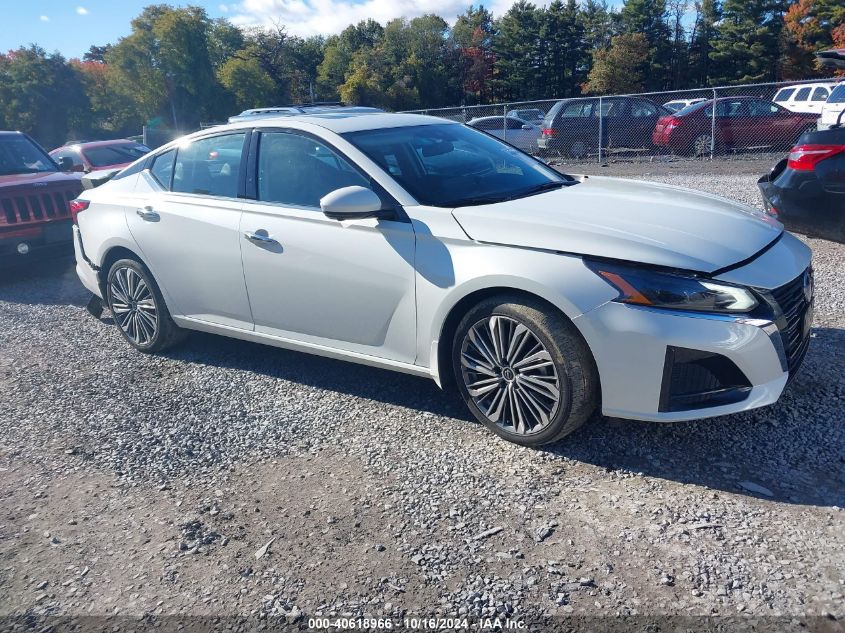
[35, 207]
[693, 379]
[793, 317]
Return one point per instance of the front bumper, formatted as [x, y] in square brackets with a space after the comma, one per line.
[752, 359]
[54, 236]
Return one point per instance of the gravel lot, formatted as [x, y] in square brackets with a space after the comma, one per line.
[231, 479]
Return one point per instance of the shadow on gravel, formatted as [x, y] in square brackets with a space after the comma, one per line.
[21, 280]
[792, 451]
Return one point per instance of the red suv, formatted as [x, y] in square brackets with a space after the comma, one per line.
[34, 197]
[741, 122]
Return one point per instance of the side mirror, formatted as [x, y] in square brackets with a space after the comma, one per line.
[351, 203]
[65, 164]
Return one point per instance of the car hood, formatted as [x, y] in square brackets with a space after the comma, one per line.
[39, 179]
[627, 220]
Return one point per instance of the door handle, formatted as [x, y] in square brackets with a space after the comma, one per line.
[147, 213]
[260, 237]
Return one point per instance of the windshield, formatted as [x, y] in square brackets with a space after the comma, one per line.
[19, 155]
[105, 155]
[453, 165]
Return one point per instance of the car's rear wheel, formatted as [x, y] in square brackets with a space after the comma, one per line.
[578, 149]
[523, 370]
[138, 308]
[702, 146]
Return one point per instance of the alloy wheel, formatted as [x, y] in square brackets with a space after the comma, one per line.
[703, 145]
[509, 375]
[133, 306]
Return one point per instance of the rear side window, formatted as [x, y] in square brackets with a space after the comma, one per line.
[838, 94]
[802, 94]
[162, 169]
[783, 94]
[210, 166]
[820, 94]
[579, 109]
[762, 108]
[642, 109]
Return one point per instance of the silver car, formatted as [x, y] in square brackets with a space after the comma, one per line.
[428, 247]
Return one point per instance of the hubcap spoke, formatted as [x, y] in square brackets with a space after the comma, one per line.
[510, 375]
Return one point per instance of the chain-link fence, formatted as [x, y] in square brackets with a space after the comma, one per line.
[683, 123]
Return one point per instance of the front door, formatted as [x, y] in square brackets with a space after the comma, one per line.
[185, 220]
[347, 285]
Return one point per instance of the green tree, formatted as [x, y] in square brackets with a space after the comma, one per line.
[707, 16]
[648, 17]
[619, 69]
[516, 51]
[746, 46]
[563, 44]
[40, 95]
[251, 86]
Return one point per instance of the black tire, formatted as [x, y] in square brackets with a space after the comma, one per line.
[574, 368]
[165, 333]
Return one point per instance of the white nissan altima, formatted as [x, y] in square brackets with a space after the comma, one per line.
[424, 246]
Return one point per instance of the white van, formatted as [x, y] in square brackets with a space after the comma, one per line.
[804, 97]
[833, 107]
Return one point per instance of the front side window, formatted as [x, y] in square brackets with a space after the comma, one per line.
[19, 155]
[446, 165]
[642, 109]
[298, 170]
[209, 166]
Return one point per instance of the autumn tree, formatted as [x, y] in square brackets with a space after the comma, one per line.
[619, 69]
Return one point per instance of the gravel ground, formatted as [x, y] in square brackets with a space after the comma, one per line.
[230, 479]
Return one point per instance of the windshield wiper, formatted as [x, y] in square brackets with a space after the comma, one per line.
[473, 201]
[546, 186]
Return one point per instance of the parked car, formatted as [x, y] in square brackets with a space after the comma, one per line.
[571, 127]
[680, 104]
[34, 197]
[534, 116]
[808, 98]
[741, 122]
[301, 108]
[424, 246]
[806, 190]
[515, 131]
[834, 107]
[92, 155]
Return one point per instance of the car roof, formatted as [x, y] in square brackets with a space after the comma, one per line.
[338, 121]
[87, 144]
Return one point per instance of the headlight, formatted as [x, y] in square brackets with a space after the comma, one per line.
[641, 286]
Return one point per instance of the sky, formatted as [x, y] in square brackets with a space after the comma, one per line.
[72, 26]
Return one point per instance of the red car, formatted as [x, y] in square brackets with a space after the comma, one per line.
[94, 155]
[34, 197]
[741, 122]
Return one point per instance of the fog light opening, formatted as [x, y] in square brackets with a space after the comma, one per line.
[23, 248]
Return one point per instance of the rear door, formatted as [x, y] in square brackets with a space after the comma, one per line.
[185, 220]
[733, 126]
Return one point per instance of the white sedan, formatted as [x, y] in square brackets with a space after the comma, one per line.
[425, 246]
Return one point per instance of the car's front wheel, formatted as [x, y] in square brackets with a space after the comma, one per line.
[523, 370]
[138, 307]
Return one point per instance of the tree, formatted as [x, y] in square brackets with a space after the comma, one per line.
[648, 17]
[619, 69]
[707, 16]
[40, 95]
[746, 47]
[563, 47]
[516, 50]
[810, 26]
[251, 86]
[472, 36]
